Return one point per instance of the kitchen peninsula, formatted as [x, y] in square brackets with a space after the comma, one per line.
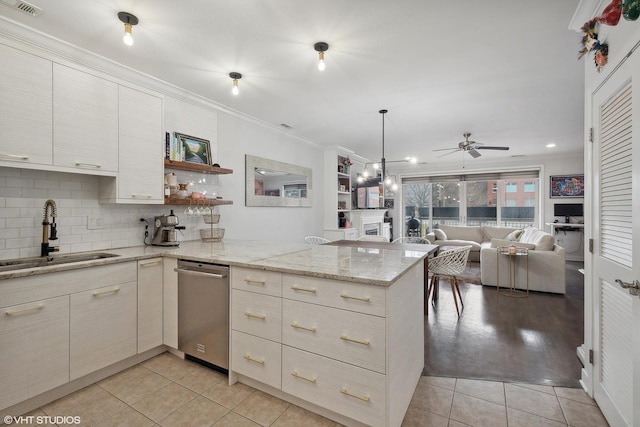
[337, 330]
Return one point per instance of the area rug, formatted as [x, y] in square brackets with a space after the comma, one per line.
[471, 274]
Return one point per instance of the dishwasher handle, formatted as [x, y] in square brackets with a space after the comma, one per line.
[199, 273]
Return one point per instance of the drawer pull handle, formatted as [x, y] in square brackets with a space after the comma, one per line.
[251, 359]
[110, 291]
[24, 310]
[255, 281]
[295, 325]
[255, 316]
[14, 156]
[297, 375]
[345, 392]
[298, 288]
[149, 264]
[345, 296]
[364, 342]
[90, 165]
[143, 196]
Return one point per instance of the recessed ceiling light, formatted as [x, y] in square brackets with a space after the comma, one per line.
[550, 145]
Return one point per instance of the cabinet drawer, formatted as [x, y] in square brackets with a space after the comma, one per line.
[34, 349]
[332, 293]
[102, 328]
[355, 338]
[256, 358]
[256, 314]
[254, 280]
[348, 390]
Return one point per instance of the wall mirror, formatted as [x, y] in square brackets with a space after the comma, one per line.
[273, 183]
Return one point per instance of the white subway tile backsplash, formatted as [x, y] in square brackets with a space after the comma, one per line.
[20, 182]
[22, 197]
[10, 191]
[35, 193]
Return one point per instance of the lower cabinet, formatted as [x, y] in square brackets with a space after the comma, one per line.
[340, 387]
[354, 349]
[103, 327]
[257, 358]
[150, 290]
[170, 302]
[34, 349]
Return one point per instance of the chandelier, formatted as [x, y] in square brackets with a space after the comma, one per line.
[381, 166]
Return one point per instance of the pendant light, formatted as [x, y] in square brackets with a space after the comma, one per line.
[129, 20]
[388, 180]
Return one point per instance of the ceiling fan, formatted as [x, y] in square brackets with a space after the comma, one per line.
[470, 147]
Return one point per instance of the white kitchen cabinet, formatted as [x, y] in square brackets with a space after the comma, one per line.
[85, 121]
[150, 291]
[256, 358]
[103, 327]
[256, 314]
[170, 295]
[140, 151]
[25, 109]
[354, 349]
[335, 385]
[34, 349]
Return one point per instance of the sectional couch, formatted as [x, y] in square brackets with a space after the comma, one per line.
[546, 272]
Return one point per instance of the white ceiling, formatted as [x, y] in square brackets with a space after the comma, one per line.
[505, 70]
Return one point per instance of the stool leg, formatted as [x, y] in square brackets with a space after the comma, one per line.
[453, 291]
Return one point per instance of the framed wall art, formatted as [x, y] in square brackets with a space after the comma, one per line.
[194, 150]
[566, 186]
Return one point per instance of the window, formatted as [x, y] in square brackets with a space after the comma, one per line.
[511, 187]
[508, 199]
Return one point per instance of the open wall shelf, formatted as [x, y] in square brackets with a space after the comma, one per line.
[196, 167]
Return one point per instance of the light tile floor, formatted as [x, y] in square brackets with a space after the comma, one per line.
[169, 391]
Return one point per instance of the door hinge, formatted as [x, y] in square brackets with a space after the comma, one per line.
[591, 245]
[591, 356]
[590, 134]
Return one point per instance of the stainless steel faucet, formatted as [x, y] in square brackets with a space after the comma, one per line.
[45, 249]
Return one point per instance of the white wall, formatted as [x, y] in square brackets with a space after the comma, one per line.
[238, 138]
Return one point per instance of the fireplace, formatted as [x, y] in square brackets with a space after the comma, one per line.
[368, 222]
[372, 229]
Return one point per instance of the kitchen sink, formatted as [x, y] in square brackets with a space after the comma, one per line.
[22, 263]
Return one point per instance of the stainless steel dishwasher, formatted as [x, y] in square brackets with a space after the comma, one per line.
[203, 311]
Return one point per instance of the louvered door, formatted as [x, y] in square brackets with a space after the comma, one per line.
[616, 255]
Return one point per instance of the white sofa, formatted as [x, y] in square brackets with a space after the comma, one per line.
[546, 272]
[475, 236]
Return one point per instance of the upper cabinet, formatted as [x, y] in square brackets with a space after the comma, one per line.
[85, 121]
[25, 109]
[140, 150]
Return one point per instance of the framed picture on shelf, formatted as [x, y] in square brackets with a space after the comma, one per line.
[194, 150]
[567, 186]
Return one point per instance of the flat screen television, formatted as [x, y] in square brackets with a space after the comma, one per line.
[568, 210]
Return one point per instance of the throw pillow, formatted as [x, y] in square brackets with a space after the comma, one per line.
[440, 235]
[514, 236]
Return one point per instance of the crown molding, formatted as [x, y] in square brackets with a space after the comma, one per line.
[586, 11]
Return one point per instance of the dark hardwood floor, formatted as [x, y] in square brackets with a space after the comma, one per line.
[500, 338]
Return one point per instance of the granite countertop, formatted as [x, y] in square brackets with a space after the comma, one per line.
[356, 264]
